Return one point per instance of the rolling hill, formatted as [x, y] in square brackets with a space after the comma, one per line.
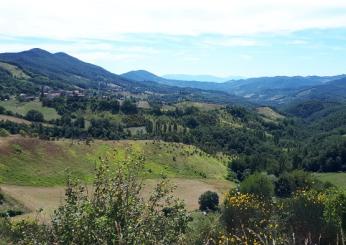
[334, 90]
[34, 162]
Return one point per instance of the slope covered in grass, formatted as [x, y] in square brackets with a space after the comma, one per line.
[14, 70]
[23, 107]
[337, 179]
[30, 161]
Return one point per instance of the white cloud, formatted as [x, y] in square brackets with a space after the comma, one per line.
[109, 19]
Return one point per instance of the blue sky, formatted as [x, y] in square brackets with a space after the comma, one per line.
[222, 38]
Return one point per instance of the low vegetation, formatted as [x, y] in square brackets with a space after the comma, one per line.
[28, 161]
[115, 213]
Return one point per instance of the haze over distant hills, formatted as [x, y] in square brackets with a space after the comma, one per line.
[202, 78]
[263, 90]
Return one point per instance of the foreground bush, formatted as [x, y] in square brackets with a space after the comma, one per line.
[309, 217]
[258, 184]
[114, 213]
[318, 216]
[208, 201]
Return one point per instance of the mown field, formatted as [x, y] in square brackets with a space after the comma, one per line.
[23, 107]
[33, 172]
[47, 199]
[338, 179]
[200, 105]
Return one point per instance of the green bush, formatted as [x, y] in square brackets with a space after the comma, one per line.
[245, 210]
[204, 229]
[34, 116]
[306, 212]
[288, 183]
[128, 107]
[258, 184]
[208, 201]
[4, 132]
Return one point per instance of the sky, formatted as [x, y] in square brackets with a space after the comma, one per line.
[217, 37]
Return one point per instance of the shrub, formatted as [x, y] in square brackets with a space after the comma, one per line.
[288, 183]
[208, 201]
[258, 184]
[306, 211]
[245, 210]
[128, 107]
[23, 133]
[5, 229]
[204, 229]
[335, 208]
[4, 132]
[285, 185]
[34, 116]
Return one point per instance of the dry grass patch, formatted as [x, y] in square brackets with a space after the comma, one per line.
[49, 198]
[14, 119]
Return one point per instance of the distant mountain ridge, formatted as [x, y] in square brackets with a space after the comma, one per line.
[41, 67]
[202, 78]
[60, 70]
[142, 76]
[264, 90]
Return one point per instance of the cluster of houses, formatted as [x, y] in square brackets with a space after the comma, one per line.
[54, 94]
[51, 94]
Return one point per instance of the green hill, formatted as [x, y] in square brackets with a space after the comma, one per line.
[30, 161]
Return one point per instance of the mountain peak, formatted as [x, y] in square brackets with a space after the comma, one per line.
[140, 72]
[142, 75]
[62, 54]
[37, 51]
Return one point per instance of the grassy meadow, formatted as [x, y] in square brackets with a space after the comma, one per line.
[337, 179]
[34, 162]
[23, 107]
